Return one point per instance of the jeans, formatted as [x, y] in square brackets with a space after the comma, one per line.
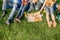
[39, 5]
[6, 2]
[36, 6]
[21, 10]
[13, 11]
[4, 6]
[31, 7]
[49, 10]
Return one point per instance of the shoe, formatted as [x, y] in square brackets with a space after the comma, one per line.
[17, 20]
[50, 23]
[8, 22]
[54, 24]
[3, 13]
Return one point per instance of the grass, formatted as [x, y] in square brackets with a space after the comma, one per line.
[28, 31]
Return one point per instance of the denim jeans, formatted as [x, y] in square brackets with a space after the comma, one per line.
[13, 11]
[31, 7]
[21, 10]
[4, 6]
[49, 10]
[39, 5]
[36, 6]
[6, 2]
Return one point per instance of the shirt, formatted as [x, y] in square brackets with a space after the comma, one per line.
[24, 2]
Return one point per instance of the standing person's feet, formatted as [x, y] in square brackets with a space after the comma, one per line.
[54, 24]
[8, 22]
[3, 13]
[17, 19]
[50, 23]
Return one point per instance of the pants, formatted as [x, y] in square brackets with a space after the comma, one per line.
[31, 7]
[12, 12]
[49, 10]
[39, 5]
[5, 2]
[21, 10]
[36, 6]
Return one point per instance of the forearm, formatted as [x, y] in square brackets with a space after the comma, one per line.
[43, 6]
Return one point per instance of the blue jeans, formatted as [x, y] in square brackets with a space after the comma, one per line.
[6, 2]
[39, 5]
[36, 6]
[13, 11]
[4, 6]
[31, 7]
[21, 10]
[49, 10]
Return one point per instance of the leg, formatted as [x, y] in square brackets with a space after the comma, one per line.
[39, 5]
[53, 17]
[47, 17]
[19, 10]
[18, 19]
[18, 14]
[4, 4]
[31, 7]
[23, 10]
[12, 14]
[4, 7]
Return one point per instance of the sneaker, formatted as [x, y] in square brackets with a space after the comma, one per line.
[17, 20]
[3, 13]
[8, 22]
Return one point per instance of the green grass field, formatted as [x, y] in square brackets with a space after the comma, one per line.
[28, 31]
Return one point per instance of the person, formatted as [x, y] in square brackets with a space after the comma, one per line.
[5, 3]
[21, 11]
[50, 11]
[4, 7]
[58, 14]
[35, 4]
[48, 4]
